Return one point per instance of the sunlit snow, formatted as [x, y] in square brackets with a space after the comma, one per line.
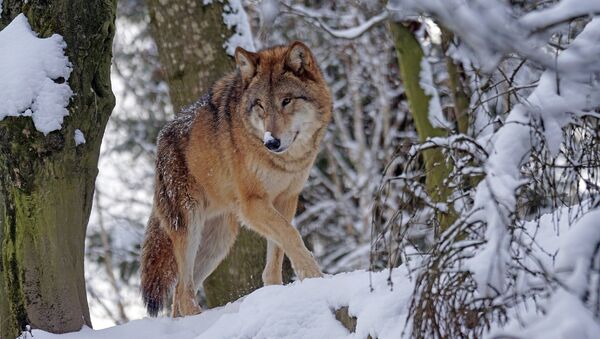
[33, 76]
[299, 310]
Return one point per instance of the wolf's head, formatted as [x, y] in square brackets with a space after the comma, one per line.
[286, 100]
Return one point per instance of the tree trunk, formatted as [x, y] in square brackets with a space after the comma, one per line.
[456, 74]
[410, 54]
[190, 38]
[47, 182]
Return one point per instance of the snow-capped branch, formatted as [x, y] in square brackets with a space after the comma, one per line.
[354, 32]
[551, 103]
[562, 12]
[490, 30]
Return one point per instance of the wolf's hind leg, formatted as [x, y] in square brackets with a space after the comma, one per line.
[185, 246]
[218, 236]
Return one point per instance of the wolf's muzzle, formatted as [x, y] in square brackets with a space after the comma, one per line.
[273, 144]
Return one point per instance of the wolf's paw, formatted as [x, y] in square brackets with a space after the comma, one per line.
[185, 305]
[270, 278]
[309, 271]
[189, 309]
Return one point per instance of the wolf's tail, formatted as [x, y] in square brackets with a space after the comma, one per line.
[158, 267]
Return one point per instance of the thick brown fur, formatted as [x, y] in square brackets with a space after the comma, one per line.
[213, 171]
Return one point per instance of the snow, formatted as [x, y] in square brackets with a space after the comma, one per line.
[495, 198]
[566, 252]
[300, 310]
[30, 68]
[561, 12]
[235, 18]
[576, 248]
[269, 10]
[267, 137]
[436, 116]
[0, 8]
[489, 27]
[355, 32]
[79, 137]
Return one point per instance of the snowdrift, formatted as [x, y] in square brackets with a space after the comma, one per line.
[299, 310]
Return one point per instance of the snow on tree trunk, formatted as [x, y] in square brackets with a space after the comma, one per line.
[47, 181]
[410, 58]
[191, 39]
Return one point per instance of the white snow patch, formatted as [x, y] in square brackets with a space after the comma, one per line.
[28, 67]
[566, 252]
[234, 16]
[355, 32]
[560, 11]
[436, 116]
[299, 310]
[79, 137]
[269, 10]
[267, 137]
[495, 197]
[0, 8]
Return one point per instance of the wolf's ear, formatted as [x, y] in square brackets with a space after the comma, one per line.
[300, 59]
[246, 62]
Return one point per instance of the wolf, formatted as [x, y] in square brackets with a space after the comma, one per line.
[240, 154]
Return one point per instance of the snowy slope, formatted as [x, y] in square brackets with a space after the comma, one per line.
[299, 310]
[306, 309]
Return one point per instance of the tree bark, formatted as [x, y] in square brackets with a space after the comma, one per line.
[456, 74]
[410, 54]
[190, 38]
[47, 182]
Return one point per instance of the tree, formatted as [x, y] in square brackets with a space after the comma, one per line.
[191, 39]
[531, 98]
[47, 181]
[410, 59]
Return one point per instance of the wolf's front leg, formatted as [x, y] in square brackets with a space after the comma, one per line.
[262, 217]
[272, 274]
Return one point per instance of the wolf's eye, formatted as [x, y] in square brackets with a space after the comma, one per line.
[256, 103]
[285, 102]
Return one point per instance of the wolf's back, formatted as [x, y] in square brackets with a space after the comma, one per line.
[158, 267]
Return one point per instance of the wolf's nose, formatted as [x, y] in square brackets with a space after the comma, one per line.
[273, 144]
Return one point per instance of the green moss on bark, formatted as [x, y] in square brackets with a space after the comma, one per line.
[410, 54]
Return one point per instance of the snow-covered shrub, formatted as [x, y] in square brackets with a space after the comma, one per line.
[525, 177]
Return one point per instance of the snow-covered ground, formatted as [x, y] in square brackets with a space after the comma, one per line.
[305, 309]
[300, 310]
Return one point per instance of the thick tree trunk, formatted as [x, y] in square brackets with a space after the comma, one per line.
[47, 182]
[410, 54]
[190, 38]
